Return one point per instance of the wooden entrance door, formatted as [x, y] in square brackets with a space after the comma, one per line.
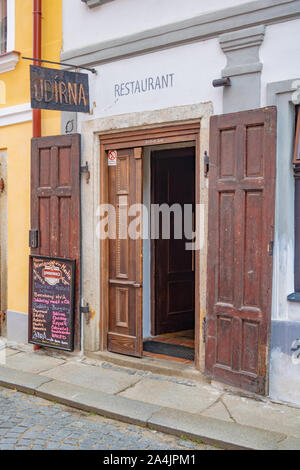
[173, 182]
[240, 246]
[125, 257]
[55, 202]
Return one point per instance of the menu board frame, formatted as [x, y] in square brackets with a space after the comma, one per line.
[71, 263]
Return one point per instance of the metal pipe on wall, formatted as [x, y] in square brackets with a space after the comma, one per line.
[37, 53]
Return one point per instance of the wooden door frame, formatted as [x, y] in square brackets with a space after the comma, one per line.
[147, 137]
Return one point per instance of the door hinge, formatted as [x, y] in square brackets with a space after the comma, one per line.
[33, 238]
[2, 317]
[206, 164]
[271, 248]
[85, 169]
[261, 385]
[86, 310]
[204, 329]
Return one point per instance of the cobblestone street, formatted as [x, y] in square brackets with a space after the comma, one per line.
[28, 422]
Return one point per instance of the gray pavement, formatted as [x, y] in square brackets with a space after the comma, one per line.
[177, 405]
[28, 422]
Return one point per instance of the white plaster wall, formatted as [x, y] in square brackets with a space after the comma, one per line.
[123, 17]
[284, 378]
[280, 54]
[195, 67]
[283, 278]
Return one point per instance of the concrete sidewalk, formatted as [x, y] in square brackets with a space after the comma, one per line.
[176, 405]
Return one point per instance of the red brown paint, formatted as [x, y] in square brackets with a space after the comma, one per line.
[241, 225]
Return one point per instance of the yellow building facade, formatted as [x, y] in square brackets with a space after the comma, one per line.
[15, 140]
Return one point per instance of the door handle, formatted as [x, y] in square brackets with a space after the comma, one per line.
[33, 238]
[125, 283]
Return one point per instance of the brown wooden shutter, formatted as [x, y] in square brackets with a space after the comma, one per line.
[296, 159]
[240, 244]
[125, 258]
[55, 202]
[296, 162]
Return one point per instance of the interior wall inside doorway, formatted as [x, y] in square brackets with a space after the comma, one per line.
[147, 240]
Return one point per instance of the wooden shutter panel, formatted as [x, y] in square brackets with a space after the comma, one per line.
[240, 236]
[296, 160]
[55, 202]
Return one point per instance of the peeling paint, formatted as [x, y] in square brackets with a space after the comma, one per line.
[284, 377]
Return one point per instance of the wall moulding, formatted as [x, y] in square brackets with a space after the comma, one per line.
[15, 114]
[234, 44]
[8, 61]
[198, 28]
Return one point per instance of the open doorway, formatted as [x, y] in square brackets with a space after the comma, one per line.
[172, 264]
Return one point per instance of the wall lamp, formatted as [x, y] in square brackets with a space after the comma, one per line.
[221, 82]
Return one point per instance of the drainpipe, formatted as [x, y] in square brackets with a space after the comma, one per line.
[37, 54]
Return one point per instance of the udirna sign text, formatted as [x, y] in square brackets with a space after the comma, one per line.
[59, 90]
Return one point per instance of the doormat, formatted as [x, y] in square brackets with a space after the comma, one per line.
[167, 349]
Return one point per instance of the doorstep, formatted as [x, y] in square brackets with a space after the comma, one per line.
[151, 364]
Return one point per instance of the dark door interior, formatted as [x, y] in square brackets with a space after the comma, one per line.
[173, 182]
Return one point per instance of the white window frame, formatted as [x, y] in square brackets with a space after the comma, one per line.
[10, 58]
[10, 42]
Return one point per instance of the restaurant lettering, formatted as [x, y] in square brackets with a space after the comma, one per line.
[144, 85]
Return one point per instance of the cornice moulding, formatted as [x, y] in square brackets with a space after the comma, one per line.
[198, 28]
[15, 114]
[249, 37]
[8, 61]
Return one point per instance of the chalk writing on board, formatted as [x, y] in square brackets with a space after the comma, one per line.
[51, 306]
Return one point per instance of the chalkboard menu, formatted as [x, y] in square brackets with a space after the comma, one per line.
[51, 302]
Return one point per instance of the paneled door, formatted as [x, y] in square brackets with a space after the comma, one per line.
[240, 247]
[125, 255]
[55, 202]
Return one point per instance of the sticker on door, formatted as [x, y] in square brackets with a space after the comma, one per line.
[112, 157]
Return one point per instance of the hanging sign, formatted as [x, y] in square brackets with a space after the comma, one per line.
[51, 302]
[59, 90]
[112, 157]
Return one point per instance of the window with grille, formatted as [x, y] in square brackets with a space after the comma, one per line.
[3, 26]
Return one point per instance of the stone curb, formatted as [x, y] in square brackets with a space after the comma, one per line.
[175, 422]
